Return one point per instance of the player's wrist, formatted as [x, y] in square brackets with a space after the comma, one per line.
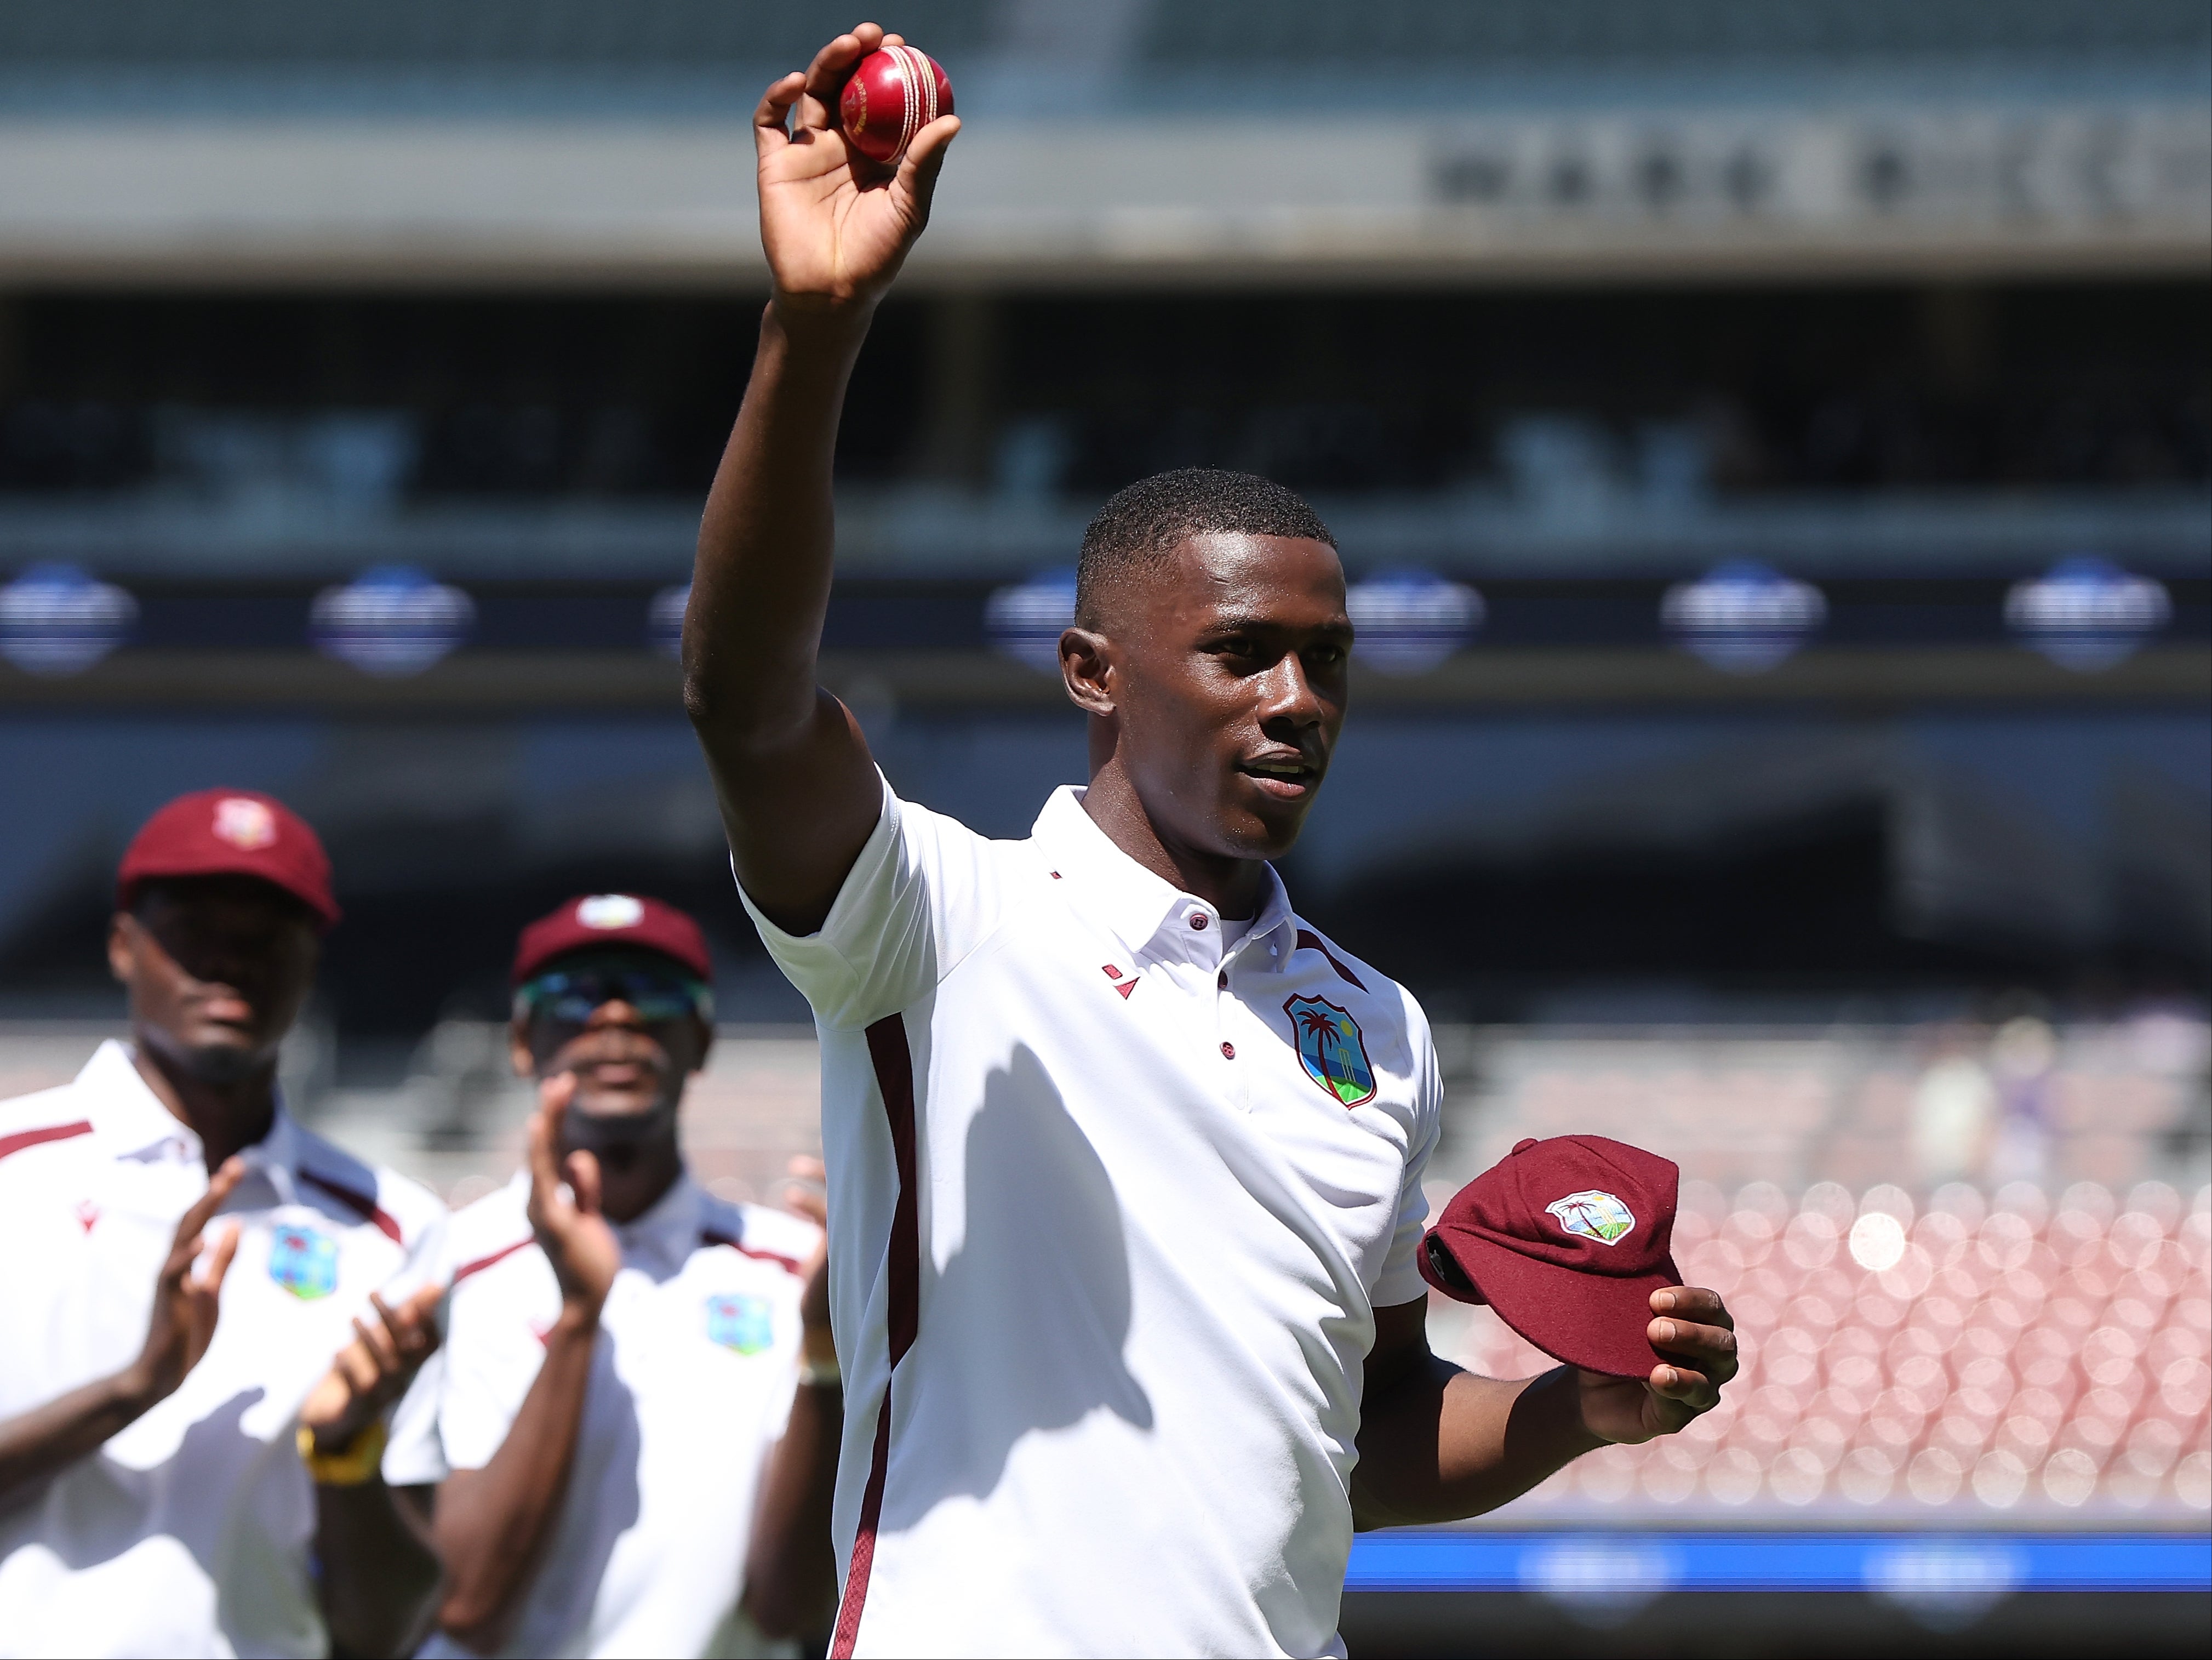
[143, 1385]
[1561, 1403]
[821, 322]
[579, 1315]
[338, 1457]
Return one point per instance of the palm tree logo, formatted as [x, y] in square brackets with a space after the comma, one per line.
[1595, 1214]
[1331, 1049]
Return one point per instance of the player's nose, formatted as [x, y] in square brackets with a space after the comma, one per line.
[1288, 696]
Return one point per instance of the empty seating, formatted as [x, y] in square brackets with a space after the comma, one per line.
[2010, 1355]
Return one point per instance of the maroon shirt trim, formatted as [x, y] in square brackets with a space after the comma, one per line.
[715, 1236]
[894, 1064]
[1308, 940]
[363, 1204]
[22, 1139]
[483, 1263]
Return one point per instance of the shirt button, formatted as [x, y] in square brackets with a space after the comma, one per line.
[1229, 1051]
[1221, 981]
[1198, 920]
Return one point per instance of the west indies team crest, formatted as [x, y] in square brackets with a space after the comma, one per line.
[1331, 1049]
[746, 1324]
[1595, 1214]
[305, 1262]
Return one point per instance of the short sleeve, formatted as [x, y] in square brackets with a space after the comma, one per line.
[1401, 1280]
[921, 894]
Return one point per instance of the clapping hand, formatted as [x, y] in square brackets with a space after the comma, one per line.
[187, 1296]
[374, 1369]
[804, 1194]
[575, 1237]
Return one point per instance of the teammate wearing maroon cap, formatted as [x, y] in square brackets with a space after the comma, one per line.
[183, 1468]
[634, 1422]
[1125, 1156]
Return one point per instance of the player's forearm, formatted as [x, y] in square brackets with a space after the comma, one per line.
[1443, 1443]
[380, 1574]
[37, 1444]
[760, 588]
[790, 1570]
[492, 1524]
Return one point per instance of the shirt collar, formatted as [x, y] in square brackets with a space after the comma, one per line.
[1147, 914]
[666, 1235]
[132, 1122]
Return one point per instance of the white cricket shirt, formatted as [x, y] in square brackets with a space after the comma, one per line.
[690, 1387]
[1111, 1218]
[189, 1533]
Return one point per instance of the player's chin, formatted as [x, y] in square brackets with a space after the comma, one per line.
[217, 1053]
[1265, 818]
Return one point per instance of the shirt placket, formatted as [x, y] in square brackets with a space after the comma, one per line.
[1213, 975]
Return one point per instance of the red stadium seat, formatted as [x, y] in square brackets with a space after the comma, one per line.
[2018, 1353]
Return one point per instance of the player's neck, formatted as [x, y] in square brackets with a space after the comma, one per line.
[1234, 887]
[630, 1189]
[227, 1115]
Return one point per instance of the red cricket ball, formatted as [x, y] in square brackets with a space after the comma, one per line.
[894, 94]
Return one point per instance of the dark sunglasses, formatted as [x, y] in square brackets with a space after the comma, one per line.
[570, 994]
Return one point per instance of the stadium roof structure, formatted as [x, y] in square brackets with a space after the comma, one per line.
[1118, 143]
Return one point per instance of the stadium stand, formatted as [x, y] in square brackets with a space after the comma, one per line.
[2113, 1105]
[1992, 1357]
[2030, 1355]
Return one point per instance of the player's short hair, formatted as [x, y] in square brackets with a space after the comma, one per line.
[1141, 526]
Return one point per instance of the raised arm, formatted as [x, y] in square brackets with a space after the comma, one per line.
[798, 790]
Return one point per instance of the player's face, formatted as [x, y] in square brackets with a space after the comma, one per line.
[217, 968]
[630, 1055]
[1233, 692]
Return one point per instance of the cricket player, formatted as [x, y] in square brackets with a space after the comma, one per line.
[634, 1422]
[184, 1468]
[1125, 1156]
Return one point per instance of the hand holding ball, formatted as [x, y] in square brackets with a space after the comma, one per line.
[893, 93]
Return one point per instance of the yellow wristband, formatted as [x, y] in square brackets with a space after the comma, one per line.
[362, 1461]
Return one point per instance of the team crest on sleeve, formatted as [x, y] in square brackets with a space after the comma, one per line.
[305, 1262]
[744, 1324]
[1331, 1049]
[1595, 1214]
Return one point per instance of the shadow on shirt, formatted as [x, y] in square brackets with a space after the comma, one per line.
[602, 1503]
[242, 1508]
[1070, 1257]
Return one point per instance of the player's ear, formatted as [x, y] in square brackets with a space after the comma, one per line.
[122, 954]
[1086, 670]
[520, 1054]
[705, 1035]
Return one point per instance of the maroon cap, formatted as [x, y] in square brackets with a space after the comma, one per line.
[1567, 1239]
[603, 919]
[231, 833]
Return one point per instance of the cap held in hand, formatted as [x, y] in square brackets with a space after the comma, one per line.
[1566, 1238]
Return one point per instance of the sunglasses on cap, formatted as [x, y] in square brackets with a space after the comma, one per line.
[570, 993]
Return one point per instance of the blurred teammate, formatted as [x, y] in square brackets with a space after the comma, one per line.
[621, 1350]
[183, 1468]
[1125, 1158]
